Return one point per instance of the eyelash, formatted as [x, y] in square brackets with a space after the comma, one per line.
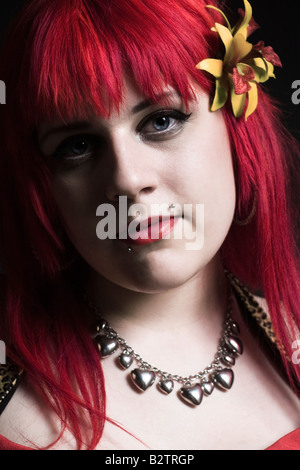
[64, 152]
[157, 135]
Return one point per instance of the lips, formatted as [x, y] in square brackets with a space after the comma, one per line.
[147, 231]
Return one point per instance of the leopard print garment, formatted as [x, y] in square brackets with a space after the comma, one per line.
[10, 374]
[252, 306]
[9, 378]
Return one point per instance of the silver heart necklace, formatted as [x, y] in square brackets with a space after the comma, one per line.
[218, 374]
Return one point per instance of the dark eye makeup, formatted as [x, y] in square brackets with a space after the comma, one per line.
[162, 124]
[76, 146]
[159, 126]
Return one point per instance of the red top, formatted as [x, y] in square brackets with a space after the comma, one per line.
[289, 442]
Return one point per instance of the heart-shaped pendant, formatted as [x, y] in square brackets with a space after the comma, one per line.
[224, 378]
[234, 327]
[106, 346]
[192, 394]
[234, 344]
[207, 388]
[101, 325]
[228, 360]
[143, 378]
[125, 360]
[166, 386]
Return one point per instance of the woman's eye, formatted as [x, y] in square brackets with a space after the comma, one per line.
[79, 147]
[76, 148]
[162, 125]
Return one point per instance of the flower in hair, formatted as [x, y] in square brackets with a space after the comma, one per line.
[243, 65]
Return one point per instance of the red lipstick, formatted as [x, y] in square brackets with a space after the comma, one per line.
[148, 231]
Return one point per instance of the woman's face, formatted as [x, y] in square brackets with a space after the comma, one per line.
[110, 174]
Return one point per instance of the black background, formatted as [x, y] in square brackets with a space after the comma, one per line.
[279, 27]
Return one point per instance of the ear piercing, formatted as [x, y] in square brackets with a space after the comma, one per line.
[129, 249]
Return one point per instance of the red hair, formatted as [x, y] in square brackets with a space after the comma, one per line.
[63, 58]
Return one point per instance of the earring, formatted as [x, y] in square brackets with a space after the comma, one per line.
[250, 216]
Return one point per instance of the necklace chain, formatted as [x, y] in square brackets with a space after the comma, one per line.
[218, 373]
[229, 324]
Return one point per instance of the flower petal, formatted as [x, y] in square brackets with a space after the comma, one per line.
[242, 75]
[238, 103]
[271, 56]
[252, 100]
[243, 28]
[261, 69]
[213, 66]
[253, 26]
[241, 47]
[227, 40]
[221, 94]
[246, 71]
[268, 53]
[270, 69]
[223, 14]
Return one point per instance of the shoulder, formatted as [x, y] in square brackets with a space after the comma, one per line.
[30, 422]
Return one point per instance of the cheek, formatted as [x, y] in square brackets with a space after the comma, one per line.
[220, 198]
[219, 185]
[210, 179]
[77, 205]
[208, 171]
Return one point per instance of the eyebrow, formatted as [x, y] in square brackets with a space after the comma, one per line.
[84, 125]
[146, 103]
[73, 126]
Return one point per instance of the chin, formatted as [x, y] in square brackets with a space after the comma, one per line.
[163, 270]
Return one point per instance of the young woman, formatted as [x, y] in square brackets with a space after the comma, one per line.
[144, 185]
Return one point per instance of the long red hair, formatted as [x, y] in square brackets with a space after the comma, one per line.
[63, 58]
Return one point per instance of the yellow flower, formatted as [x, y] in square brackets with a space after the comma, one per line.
[242, 68]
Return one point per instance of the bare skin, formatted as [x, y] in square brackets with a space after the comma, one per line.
[168, 302]
[259, 409]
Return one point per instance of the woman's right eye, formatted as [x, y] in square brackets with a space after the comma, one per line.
[76, 149]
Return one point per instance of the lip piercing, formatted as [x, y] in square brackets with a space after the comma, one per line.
[171, 206]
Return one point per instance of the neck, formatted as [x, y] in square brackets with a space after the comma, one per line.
[177, 329]
[200, 299]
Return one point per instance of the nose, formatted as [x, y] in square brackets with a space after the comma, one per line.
[131, 170]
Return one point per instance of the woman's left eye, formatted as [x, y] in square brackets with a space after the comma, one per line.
[76, 148]
[162, 125]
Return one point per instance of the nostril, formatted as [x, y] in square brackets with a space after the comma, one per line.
[147, 190]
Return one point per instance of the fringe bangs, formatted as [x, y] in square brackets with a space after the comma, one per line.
[81, 52]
